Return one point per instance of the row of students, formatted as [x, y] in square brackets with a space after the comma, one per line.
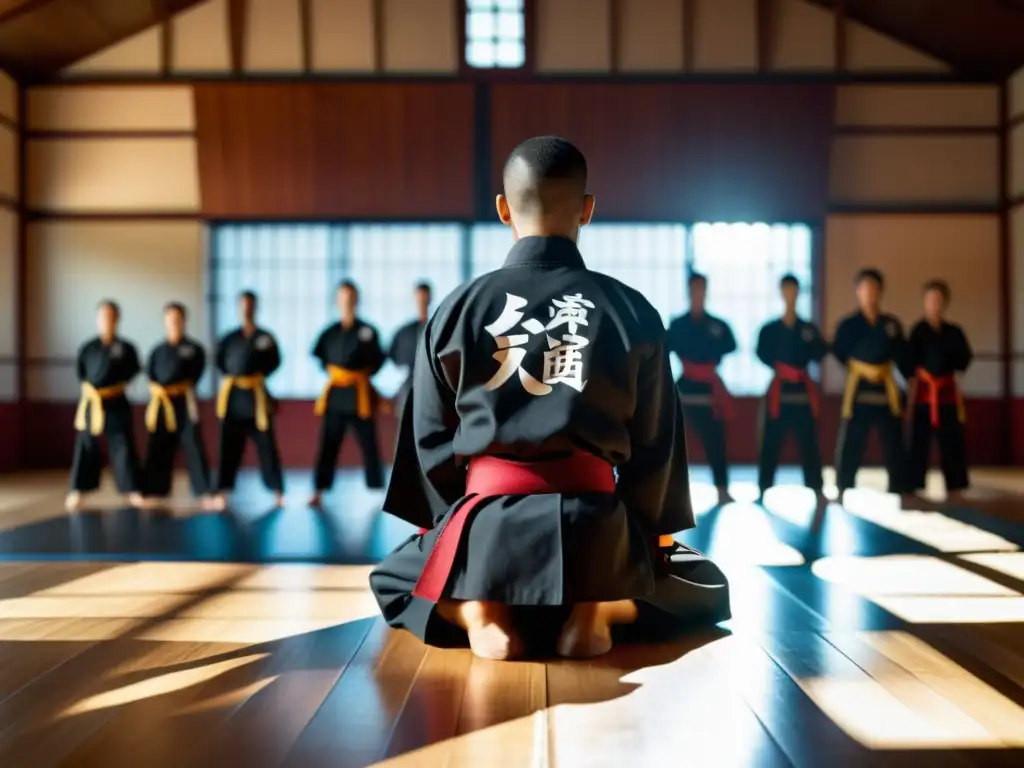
[349, 351]
[872, 346]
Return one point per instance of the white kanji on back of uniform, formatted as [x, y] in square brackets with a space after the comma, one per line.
[563, 360]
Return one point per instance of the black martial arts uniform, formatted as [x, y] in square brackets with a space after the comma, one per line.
[543, 364]
[172, 417]
[792, 401]
[403, 354]
[700, 343]
[871, 398]
[105, 371]
[245, 407]
[350, 356]
[934, 358]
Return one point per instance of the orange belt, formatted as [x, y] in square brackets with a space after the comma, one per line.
[790, 374]
[90, 406]
[935, 388]
[161, 398]
[256, 383]
[489, 476]
[706, 373]
[345, 378]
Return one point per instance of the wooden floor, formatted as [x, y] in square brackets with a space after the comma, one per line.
[873, 636]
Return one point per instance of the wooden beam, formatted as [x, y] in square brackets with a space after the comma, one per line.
[238, 15]
[839, 30]
[21, 272]
[306, 20]
[378, 35]
[29, 6]
[1006, 279]
[615, 13]
[162, 12]
[767, 12]
[689, 33]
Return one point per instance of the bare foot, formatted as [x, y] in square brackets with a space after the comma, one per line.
[210, 503]
[316, 501]
[73, 502]
[489, 626]
[217, 503]
[136, 500]
[278, 500]
[588, 631]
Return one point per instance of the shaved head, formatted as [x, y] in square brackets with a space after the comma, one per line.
[545, 182]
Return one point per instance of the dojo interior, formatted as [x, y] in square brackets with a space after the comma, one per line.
[183, 150]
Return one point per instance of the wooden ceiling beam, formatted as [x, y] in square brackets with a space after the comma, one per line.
[20, 10]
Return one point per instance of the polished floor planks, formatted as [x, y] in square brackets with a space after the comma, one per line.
[141, 637]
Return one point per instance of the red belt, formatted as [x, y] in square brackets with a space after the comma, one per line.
[705, 373]
[489, 476]
[790, 375]
[938, 390]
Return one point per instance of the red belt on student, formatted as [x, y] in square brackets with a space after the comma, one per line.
[938, 390]
[790, 374]
[706, 373]
[489, 476]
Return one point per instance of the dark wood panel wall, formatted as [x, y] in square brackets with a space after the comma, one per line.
[669, 151]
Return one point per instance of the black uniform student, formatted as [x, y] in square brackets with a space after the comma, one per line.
[403, 346]
[938, 352]
[787, 346]
[350, 353]
[871, 345]
[700, 341]
[533, 385]
[172, 417]
[105, 366]
[245, 358]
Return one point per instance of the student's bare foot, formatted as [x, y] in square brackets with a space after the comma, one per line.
[278, 500]
[316, 501]
[588, 630]
[154, 502]
[73, 502]
[136, 500]
[217, 503]
[489, 626]
[209, 503]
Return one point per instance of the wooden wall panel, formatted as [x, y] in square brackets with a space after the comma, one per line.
[586, 48]
[912, 170]
[329, 149]
[111, 108]
[201, 40]
[8, 97]
[650, 36]
[911, 249]
[112, 174]
[1016, 160]
[139, 55]
[725, 35]
[74, 264]
[916, 106]
[869, 51]
[421, 36]
[1016, 94]
[8, 163]
[343, 35]
[749, 152]
[804, 37]
[1017, 271]
[273, 36]
[8, 304]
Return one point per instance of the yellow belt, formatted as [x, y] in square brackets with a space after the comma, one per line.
[256, 385]
[344, 378]
[161, 397]
[858, 371]
[91, 404]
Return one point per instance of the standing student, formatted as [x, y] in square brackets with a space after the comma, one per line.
[871, 344]
[172, 417]
[787, 346]
[403, 346]
[700, 341]
[105, 366]
[938, 352]
[544, 457]
[350, 353]
[245, 358]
